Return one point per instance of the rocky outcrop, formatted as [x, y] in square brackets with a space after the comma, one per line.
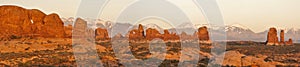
[167, 36]
[203, 35]
[80, 29]
[282, 37]
[52, 27]
[235, 58]
[152, 34]
[101, 34]
[68, 31]
[137, 34]
[272, 38]
[14, 21]
[289, 42]
[21, 22]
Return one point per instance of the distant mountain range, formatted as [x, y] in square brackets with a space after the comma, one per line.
[234, 32]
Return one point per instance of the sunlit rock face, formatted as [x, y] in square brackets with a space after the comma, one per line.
[21, 22]
[272, 38]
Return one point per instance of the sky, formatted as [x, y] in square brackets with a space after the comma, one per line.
[258, 15]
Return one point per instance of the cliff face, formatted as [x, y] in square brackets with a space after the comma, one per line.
[21, 22]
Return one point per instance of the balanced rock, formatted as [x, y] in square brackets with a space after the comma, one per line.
[272, 38]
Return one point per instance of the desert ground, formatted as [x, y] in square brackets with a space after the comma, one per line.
[59, 52]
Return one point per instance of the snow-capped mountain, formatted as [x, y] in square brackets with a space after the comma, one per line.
[231, 32]
[186, 25]
[238, 28]
[153, 26]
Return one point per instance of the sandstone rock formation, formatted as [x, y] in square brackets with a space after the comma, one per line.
[235, 58]
[289, 42]
[152, 34]
[282, 37]
[101, 34]
[79, 28]
[137, 34]
[170, 36]
[68, 31]
[203, 35]
[21, 22]
[52, 27]
[14, 21]
[272, 38]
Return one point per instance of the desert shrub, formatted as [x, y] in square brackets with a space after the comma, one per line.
[14, 37]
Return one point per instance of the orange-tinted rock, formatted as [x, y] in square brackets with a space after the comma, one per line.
[20, 22]
[203, 34]
[152, 34]
[137, 34]
[14, 21]
[68, 31]
[282, 37]
[167, 36]
[101, 34]
[272, 38]
[53, 27]
[141, 30]
[37, 18]
[290, 42]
